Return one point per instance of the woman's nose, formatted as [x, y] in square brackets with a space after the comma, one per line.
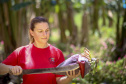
[44, 33]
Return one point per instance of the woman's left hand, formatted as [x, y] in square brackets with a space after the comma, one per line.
[71, 74]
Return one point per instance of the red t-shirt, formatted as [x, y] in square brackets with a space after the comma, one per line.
[31, 57]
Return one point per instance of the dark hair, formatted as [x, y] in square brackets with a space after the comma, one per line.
[35, 20]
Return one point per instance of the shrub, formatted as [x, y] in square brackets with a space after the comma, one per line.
[107, 73]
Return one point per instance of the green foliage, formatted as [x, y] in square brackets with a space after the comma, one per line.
[108, 50]
[54, 37]
[57, 8]
[107, 73]
[61, 46]
[77, 6]
[3, 1]
[17, 7]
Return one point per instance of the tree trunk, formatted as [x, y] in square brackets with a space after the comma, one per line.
[84, 31]
[95, 18]
[24, 28]
[9, 42]
[118, 36]
[123, 38]
[103, 16]
[71, 25]
[61, 24]
[7, 33]
[12, 26]
[110, 17]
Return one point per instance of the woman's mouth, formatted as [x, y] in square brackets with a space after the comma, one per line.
[44, 38]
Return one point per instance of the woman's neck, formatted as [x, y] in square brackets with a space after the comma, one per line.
[40, 45]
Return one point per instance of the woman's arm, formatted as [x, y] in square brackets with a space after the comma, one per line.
[15, 70]
[63, 80]
[67, 79]
[4, 69]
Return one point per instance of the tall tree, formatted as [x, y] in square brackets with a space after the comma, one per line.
[42, 8]
[7, 31]
[117, 27]
[85, 27]
[120, 33]
[13, 22]
[103, 12]
[121, 39]
[123, 36]
[84, 31]
[71, 24]
[96, 5]
[61, 23]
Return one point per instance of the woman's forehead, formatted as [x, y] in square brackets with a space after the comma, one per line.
[41, 26]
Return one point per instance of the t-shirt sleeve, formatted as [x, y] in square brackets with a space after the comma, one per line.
[12, 59]
[60, 60]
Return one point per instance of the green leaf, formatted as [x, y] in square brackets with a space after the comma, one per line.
[22, 5]
[57, 8]
[3, 1]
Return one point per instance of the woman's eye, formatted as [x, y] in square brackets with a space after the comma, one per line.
[40, 31]
[47, 30]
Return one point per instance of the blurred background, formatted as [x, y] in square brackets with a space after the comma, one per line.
[99, 25]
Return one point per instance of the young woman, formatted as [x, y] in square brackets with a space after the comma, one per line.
[38, 54]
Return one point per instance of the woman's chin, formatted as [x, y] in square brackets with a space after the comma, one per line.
[43, 42]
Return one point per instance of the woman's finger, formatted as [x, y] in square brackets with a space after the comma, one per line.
[20, 70]
[16, 70]
[13, 70]
[72, 74]
[78, 74]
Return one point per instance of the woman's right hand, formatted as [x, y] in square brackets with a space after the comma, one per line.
[15, 70]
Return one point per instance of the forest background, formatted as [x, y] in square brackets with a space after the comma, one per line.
[99, 25]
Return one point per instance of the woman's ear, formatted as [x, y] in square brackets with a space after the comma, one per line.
[31, 32]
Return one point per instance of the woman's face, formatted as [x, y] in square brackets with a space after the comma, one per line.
[41, 32]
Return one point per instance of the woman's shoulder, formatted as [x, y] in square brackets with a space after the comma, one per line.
[53, 47]
[24, 47]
